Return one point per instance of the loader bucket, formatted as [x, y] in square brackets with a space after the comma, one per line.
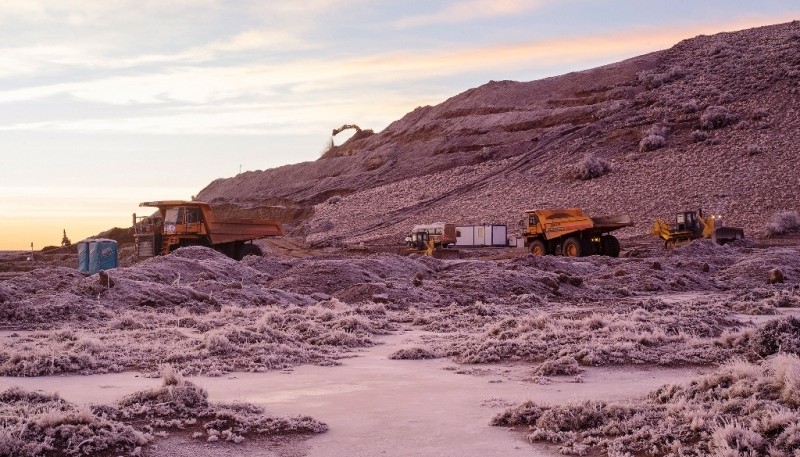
[446, 254]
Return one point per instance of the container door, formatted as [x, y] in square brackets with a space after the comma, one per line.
[107, 257]
[102, 255]
[499, 235]
[464, 236]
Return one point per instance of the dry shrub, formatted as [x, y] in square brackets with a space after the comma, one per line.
[780, 335]
[782, 300]
[698, 136]
[654, 138]
[37, 424]
[652, 332]
[413, 353]
[783, 222]
[180, 404]
[566, 365]
[651, 143]
[740, 409]
[591, 167]
[716, 117]
[527, 413]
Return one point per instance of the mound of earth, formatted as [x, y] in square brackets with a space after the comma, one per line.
[207, 314]
[701, 124]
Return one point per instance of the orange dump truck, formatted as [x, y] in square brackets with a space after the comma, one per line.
[191, 223]
[572, 233]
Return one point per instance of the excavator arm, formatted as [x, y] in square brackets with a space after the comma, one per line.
[345, 127]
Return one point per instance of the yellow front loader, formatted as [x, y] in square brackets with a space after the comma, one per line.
[691, 225]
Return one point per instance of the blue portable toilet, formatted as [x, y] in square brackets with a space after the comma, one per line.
[101, 254]
[83, 256]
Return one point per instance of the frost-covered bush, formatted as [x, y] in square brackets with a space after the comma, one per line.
[715, 117]
[566, 365]
[781, 335]
[413, 353]
[38, 424]
[651, 143]
[591, 167]
[699, 136]
[180, 404]
[740, 409]
[783, 222]
[654, 138]
[656, 333]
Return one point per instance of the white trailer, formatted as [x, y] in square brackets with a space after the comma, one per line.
[481, 235]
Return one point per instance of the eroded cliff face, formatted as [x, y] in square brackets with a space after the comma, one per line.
[708, 123]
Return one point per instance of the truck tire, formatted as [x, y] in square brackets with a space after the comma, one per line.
[609, 245]
[573, 247]
[538, 248]
[249, 249]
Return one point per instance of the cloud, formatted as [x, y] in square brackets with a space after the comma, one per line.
[303, 94]
[468, 11]
[45, 38]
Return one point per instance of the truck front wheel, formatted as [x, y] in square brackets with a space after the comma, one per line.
[538, 248]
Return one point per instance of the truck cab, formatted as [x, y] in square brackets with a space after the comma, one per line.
[690, 221]
[183, 220]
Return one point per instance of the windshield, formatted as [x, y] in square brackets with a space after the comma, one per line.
[173, 215]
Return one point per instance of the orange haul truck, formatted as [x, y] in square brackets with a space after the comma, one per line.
[181, 223]
[572, 233]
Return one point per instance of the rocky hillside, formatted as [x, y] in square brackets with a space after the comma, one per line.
[707, 123]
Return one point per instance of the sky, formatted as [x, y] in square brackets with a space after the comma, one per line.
[105, 104]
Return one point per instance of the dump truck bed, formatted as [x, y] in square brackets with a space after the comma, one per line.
[614, 222]
[562, 222]
[239, 229]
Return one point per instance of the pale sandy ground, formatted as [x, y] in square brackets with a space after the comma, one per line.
[375, 406]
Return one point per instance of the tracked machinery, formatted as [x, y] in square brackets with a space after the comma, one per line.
[572, 233]
[422, 241]
[181, 223]
[692, 225]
